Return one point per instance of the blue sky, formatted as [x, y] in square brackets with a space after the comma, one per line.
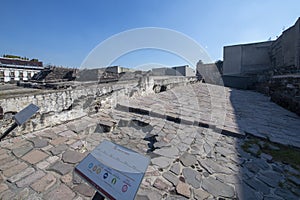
[65, 32]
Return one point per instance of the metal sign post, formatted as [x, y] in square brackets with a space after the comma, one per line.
[115, 171]
[20, 118]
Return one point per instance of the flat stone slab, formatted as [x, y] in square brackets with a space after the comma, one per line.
[61, 192]
[191, 177]
[61, 168]
[84, 189]
[72, 157]
[39, 142]
[183, 189]
[22, 150]
[170, 152]
[217, 188]
[44, 183]
[30, 179]
[175, 168]
[35, 156]
[188, 159]
[161, 162]
[58, 149]
[171, 178]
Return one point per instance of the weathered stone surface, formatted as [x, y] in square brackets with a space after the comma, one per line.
[213, 167]
[190, 177]
[58, 141]
[257, 185]
[22, 150]
[224, 151]
[285, 194]
[34, 156]
[61, 192]
[267, 157]
[39, 142]
[44, 183]
[10, 162]
[170, 152]
[188, 159]
[183, 189]
[84, 189]
[67, 178]
[252, 167]
[254, 149]
[30, 179]
[61, 167]
[176, 197]
[294, 180]
[161, 162]
[43, 164]
[72, 157]
[3, 187]
[171, 177]
[20, 175]
[149, 193]
[68, 133]
[217, 188]
[243, 191]
[77, 145]
[7, 195]
[175, 168]
[14, 169]
[270, 178]
[160, 184]
[207, 148]
[58, 149]
[200, 194]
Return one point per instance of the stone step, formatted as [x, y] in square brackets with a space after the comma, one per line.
[225, 130]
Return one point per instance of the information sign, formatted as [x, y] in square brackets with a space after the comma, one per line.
[115, 171]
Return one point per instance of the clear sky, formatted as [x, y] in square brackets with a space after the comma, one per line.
[64, 32]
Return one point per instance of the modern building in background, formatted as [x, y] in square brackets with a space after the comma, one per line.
[174, 71]
[15, 69]
[242, 63]
[246, 58]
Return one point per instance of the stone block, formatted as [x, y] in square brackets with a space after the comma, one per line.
[35, 156]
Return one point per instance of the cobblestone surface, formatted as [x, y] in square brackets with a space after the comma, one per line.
[192, 134]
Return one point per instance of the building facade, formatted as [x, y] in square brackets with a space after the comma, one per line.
[13, 69]
[285, 51]
[245, 59]
[174, 71]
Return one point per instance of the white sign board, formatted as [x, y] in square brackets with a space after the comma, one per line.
[22, 116]
[115, 171]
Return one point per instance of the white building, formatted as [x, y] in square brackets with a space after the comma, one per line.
[14, 69]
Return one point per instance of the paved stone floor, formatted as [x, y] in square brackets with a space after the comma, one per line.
[192, 134]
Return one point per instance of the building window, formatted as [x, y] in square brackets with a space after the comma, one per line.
[12, 74]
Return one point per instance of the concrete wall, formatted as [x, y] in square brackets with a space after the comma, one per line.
[184, 71]
[174, 71]
[210, 73]
[239, 82]
[286, 49]
[246, 58]
[163, 71]
[232, 59]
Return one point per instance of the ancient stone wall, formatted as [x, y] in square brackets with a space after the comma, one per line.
[59, 106]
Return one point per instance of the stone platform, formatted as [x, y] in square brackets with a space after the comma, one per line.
[193, 135]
